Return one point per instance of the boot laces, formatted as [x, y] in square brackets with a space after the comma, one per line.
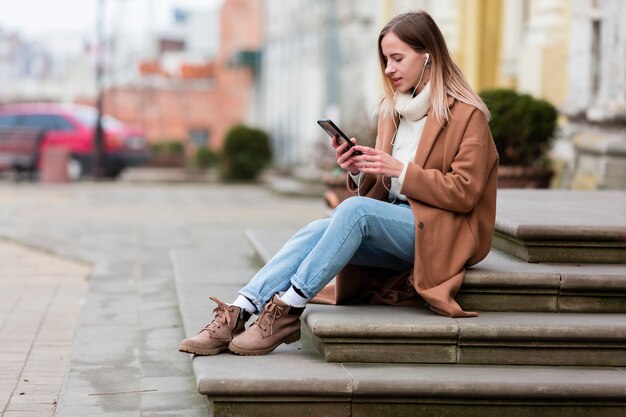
[221, 316]
[269, 316]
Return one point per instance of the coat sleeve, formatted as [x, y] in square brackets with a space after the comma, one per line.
[460, 188]
[367, 183]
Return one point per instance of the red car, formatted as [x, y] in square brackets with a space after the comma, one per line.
[72, 127]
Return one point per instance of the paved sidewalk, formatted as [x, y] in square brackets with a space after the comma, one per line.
[125, 360]
[39, 305]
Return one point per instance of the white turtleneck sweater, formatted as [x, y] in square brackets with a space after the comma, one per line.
[412, 113]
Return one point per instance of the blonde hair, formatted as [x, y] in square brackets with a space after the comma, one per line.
[421, 33]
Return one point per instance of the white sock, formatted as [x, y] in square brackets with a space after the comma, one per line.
[292, 298]
[245, 304]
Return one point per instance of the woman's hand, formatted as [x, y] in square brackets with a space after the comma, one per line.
[374, 161]
[345, 158]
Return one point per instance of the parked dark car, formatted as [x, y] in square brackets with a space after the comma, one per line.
[72, 127]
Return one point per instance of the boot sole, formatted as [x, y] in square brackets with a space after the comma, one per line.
[243, 352]
[201, 352]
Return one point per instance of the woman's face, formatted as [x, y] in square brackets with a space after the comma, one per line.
[404, 64]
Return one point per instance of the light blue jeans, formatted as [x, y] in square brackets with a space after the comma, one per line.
[362, 231]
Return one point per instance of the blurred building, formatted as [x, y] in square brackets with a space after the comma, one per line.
[282, 65]
[190, 85]
[37, 70]
[319, 60]
[316, 63]
[595, 103]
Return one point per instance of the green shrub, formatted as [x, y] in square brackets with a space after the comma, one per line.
[168, 148]
[522, 126]
[175, 148]
[245, 153]
[205, 158]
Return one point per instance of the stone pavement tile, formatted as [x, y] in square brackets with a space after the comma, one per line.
[109, 309]
[14, 346]
[37, 379]
[157, 319]
[18, 357]
[118, 349]
[27, 386]
[90, 411]
[51, 353]
[42, 407]
[196, 266]
[10, 372]
[67, 300]
[108, 388]
[29, 413]
[117, 402]
[112, 285]
[194, 412]
[157, 297]
[186, 383]
[151, 271]
[55, 333]
[164, 356]
[44, 368]
[4, 398]
[157, 301]
[166, 369]
[166, 401]
[21, 397]
[52, 344]
[151, 283]
[162, 339]
[7, 385]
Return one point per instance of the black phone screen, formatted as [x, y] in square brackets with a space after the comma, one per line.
[332, 130]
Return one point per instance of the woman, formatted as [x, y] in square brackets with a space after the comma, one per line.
[424, 207]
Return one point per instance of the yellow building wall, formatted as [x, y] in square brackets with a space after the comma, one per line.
[480, 42]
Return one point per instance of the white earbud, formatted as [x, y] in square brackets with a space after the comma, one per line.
[427, 58]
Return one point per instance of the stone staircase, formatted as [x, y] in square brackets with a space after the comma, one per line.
[550, 339]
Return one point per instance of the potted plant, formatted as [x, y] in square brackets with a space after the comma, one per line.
[522, 128]
[168, 154]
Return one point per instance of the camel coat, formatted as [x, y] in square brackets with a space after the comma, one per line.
[451, 188]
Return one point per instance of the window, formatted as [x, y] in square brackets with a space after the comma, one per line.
[199, 137]
[89, 115]
[7, 121]
[44, 121]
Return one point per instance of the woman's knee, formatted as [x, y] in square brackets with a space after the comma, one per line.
[353, 205]
[317, 227]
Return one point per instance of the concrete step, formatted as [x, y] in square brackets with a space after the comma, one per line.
[296, 380]
[408, 334]
[502, 282]
[562, 226]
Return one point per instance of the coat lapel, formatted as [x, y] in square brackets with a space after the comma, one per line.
[429, 135]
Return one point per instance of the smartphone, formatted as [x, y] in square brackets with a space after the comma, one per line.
[333, 130]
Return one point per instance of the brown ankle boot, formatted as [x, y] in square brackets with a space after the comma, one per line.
[278, 323]
[215, 336]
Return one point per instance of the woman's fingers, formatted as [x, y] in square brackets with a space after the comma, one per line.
[374, 161]
[346, 159]
[344, 154]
